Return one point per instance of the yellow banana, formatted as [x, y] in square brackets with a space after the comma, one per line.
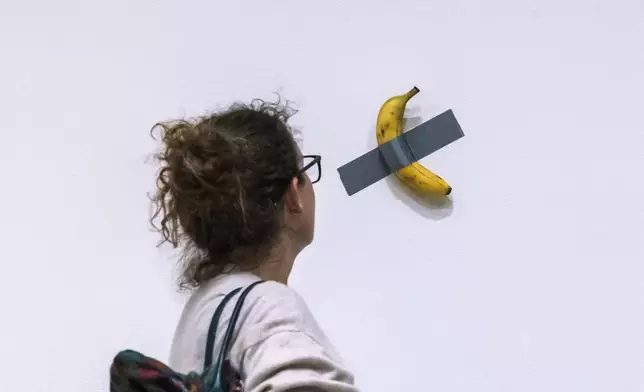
[389, 126]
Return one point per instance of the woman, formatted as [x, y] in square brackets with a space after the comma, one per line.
[235, 193]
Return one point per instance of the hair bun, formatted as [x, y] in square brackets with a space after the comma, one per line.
[217, 185]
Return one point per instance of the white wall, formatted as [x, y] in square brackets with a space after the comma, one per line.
[531, 279]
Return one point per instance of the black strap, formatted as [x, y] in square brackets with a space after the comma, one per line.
[225, 346]
[210, 341]
[231, 326]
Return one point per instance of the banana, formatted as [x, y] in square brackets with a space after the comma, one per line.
[389, 126]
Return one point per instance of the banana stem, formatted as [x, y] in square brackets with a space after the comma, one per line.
[412, 92]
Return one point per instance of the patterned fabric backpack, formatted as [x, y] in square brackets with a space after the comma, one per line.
[132, 371]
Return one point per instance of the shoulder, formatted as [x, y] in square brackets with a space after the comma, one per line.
[275, 307]
[277, 311]
[277, 295]
[284, 349]
[275, 291]
[271, 309]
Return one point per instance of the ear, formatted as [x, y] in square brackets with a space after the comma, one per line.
[293, 202]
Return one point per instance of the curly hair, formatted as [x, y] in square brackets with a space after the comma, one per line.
[220, 184]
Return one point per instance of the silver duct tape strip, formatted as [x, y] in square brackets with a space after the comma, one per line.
[411, 146]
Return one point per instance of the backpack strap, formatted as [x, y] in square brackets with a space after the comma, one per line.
[233, 320]
[210, 341]
[225, 346]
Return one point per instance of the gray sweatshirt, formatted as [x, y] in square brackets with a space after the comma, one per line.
[277, 345]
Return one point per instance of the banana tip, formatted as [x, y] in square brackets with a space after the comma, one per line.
[448, 191]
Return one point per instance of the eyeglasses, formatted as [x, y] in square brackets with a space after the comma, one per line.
[312, 167]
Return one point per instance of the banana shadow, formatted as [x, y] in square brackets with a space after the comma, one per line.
[430, 207]
[434, 208]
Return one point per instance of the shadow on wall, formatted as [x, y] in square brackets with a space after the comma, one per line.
[434, 208]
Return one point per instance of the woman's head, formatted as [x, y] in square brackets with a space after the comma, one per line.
[234, 190]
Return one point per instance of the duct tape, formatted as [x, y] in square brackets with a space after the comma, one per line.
[397, 154]
[411, 146]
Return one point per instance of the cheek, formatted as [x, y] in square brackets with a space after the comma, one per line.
[310, 198]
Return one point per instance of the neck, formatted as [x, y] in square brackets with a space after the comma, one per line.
[278, 267]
